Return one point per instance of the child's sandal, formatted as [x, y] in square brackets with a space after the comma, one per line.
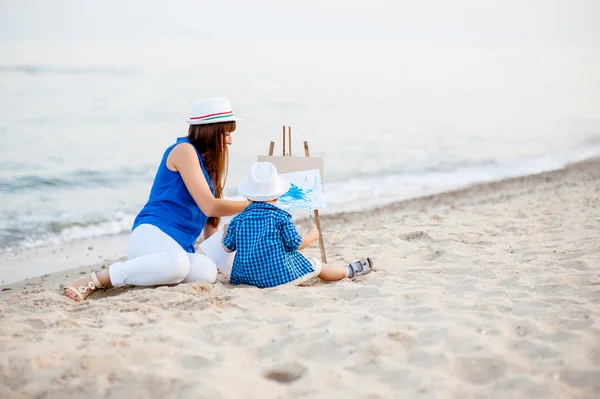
[361, 267]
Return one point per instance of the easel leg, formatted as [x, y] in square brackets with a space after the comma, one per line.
[317, 218]
[271, 148]
[321, 242]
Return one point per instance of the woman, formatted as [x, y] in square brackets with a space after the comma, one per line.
[186, 199]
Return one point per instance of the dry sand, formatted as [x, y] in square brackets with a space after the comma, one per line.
[488, 292]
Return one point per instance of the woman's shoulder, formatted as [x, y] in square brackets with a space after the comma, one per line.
[183, 150]
[180, 153]
[183, 146]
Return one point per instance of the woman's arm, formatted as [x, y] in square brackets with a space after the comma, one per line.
[183, 159]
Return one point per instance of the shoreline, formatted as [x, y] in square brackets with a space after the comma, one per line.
[56, 239]
[511, 183]
[16, 266]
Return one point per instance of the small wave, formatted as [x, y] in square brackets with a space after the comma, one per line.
[591, 141]
[59, 232]
[31, 182]
[416, 168]
[44, 69]
[78, 178]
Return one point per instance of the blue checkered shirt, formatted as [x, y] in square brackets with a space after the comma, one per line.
[266, 242]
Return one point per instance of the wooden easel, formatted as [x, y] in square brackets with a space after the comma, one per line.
[306, 154]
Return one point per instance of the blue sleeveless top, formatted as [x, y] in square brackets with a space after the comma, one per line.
[171, 207]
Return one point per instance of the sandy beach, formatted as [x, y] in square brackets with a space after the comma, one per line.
[492, 291]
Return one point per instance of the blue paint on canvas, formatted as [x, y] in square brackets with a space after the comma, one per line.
[296, 197]
[306, 191]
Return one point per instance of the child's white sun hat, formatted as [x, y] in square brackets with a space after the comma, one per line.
[263, 183]
[211, 110]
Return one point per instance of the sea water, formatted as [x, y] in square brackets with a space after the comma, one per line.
[81, 137]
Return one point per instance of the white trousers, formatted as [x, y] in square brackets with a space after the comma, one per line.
[156, 259]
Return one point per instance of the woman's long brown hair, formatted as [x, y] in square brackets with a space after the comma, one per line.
[211, 142]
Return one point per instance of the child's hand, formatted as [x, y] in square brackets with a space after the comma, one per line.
[311, 236]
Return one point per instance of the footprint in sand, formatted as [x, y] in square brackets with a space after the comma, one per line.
[35, 323]
[520, 387]
[533, 350]
[426, 359]
[286, 374]
[525, 328]
[479, 370]
[416, 236]
[589, 380]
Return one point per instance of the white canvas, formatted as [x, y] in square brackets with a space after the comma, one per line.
[305, 193]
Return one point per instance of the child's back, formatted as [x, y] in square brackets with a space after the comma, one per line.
[266, 242]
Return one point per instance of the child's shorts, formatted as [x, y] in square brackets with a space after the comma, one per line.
[308, 276]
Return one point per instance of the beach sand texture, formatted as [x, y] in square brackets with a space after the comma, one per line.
[488, 292]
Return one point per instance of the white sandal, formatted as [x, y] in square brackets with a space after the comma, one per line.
[92, 285]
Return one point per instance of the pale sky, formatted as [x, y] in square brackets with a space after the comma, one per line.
[421, 22]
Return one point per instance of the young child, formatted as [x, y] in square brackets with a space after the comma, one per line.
[267, 242]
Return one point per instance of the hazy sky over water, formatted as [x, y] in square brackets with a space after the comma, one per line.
[425, 22]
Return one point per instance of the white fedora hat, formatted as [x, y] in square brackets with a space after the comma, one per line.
[211, 110]
[263, 183]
